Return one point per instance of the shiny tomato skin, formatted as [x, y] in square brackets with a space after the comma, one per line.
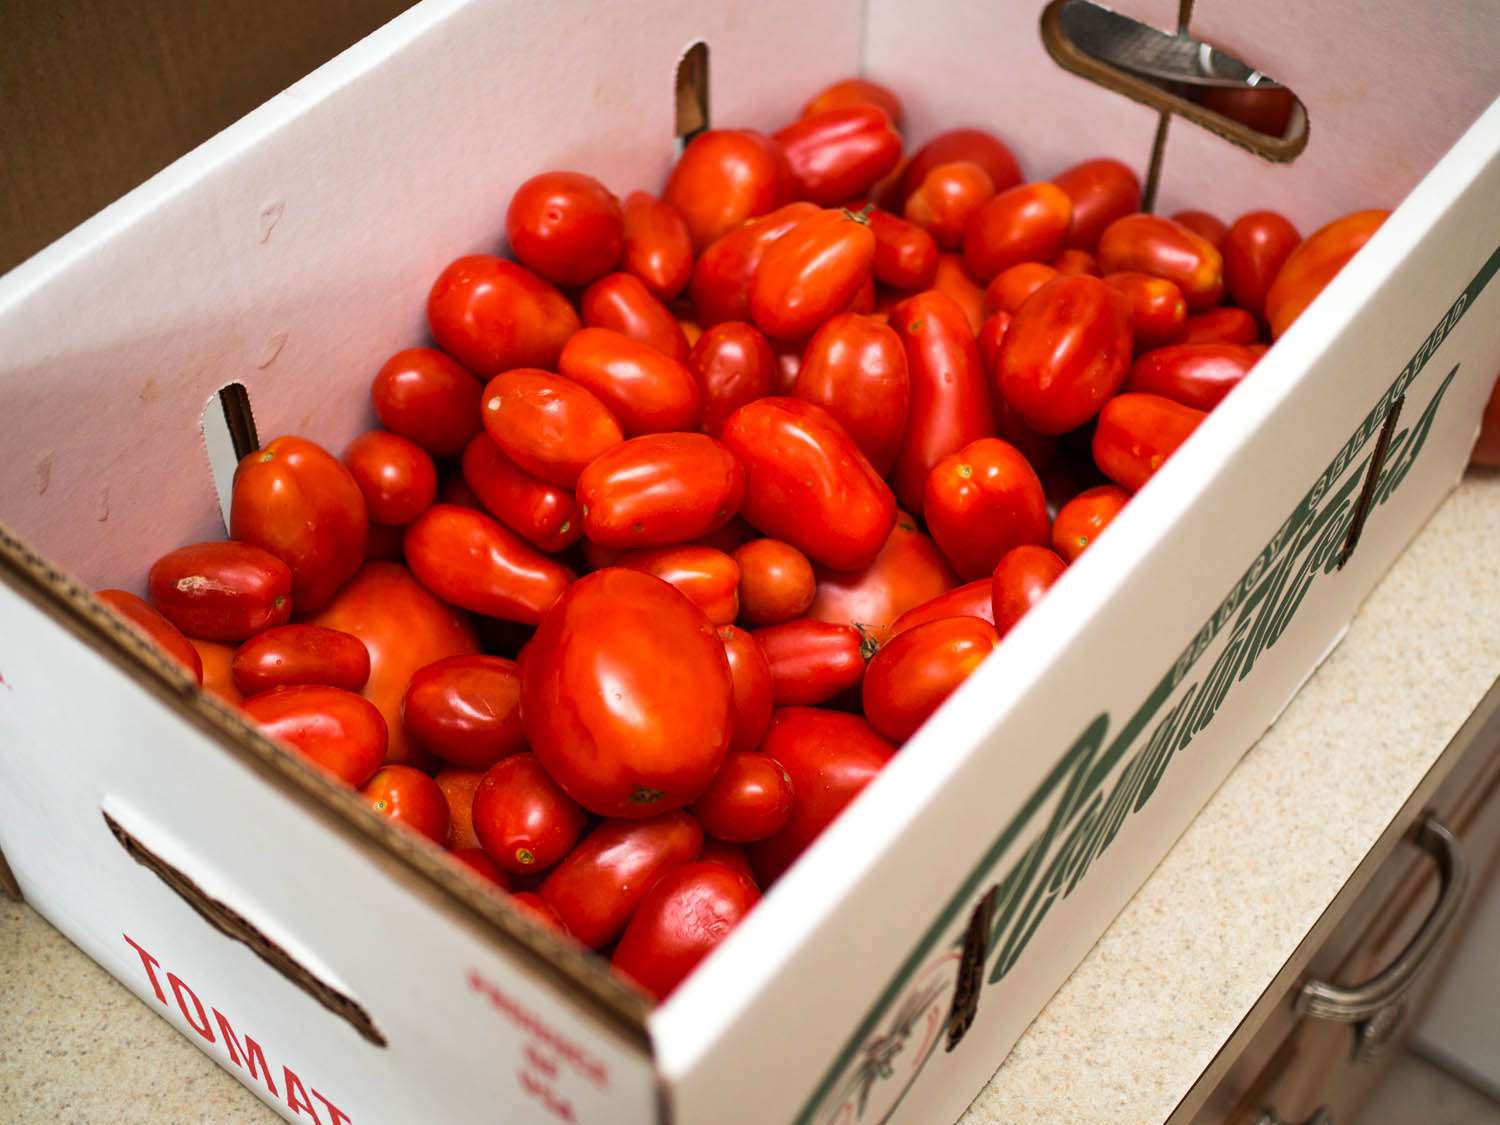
[947, 198]
[300, 654]
[598, 885]
[732, 856]
[427, 398]
[549, 426]
[1205, 226]
[1158, 314]
[807, 483]
[221, 590]
[218, 678]
[1314, 263]
[658, 248]
[973, 145]
[812, 661]
[811, 273]
[981, 502]
[156, 628]
[542, 513]
[622, 303]
[1255, 249]
[954, 281]
[1071, 260]
[707, 577]
[1083, 518]
[458, 788]
[1024, 224]
[466, 710]
[626, 695]
[475, 859]
[950, 403]
[788, 364]
[776, 581]
[473, 562]
[1153, 245]
[492, 315]
[830, 756]
[909, 571]
[687, 912]
[1008, 289]
[396, 476]
[906, 256]
[722, 178]
[660, 489]
[734, 364]
[295, 500]
[1066, 351]
[411, 799]
[753, 692]
[339, 732]
[647, 391]
[524, 821]
[854, 367]
[915, 673]
[1101, 191]
[1021, 578]
[1196, 375]
[972, 599]
[749, 799]
[720, 286]
[855, 91]
[1220, 326]
[565, 226]
[839, 153]
[1137, 433]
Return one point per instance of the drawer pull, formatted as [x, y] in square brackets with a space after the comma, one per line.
[1320, 1116]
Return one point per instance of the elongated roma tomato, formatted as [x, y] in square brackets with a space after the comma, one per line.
[807, 483]
[1157, 311]
[945, 201]
[753, 691]
[1314, 263]
[687, 912]
[471, 561]
[492, 315]
[524, 822]
[1101, 191]
[724, 177]
[466, 709]
[734, 364]
[550, 426]
[914, 673]
[425, 397]
[855, 91]
[906, 256]
[1083, 519]
[338, 731]
[837, 154]
[749, 799]
[658, 248]
[156, 628]
[597, 887]
[972, 599]
[1220, 326]
[1009, 288]
[542, 513]
[811, 273]
[776, 581]
[1022, 576]
[812, 661]
[1024, 224]
[300, 654]
[1196, 375]
[1137, 433]
[647, 391]
[1255, 249]
[396, 476]
[221, 590]
[854, 367]
[1159, 247]
[720, 287]
[566, 226]
[626, 695]
[707, 577]
[411, 799]
[909, 571]
[981, 502]
[660, 489]
[622, 303]
[973, 145]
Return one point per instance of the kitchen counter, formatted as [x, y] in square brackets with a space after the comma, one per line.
[1146, 1011]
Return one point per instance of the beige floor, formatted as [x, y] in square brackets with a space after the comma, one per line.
[1418, 1093]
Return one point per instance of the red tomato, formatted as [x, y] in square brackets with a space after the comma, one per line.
[647, 391]
[294, 499]
[952, 280]
[542, 513]
[300, 654]
[156, 629]
[720, 289]
[751, 676]
[550, 426]
[1220, 326]
[830, 757]
[396, 476]
[660, 489]
[1255, 249]
[1204, 225]
[658, 248]
[1137, 433]
[1313, 264]
[810, 273]
[597, 887]
[776, 582]
[1157, 310]
[807, 483]
[218, 678]
[839, 153]
[1196, 375]
[1025, 224]
[981, 502]
[1486, 449]
[1022, 576]
[788, 364]
[947, 199]
[687, 912]
[855, 91]
[1072, 260]
[466, 709]
[1101, 192]
[813, 661]
[974, 145]
[972, 599]
[855, 368]
[566, 226]
[471, 561]
[1066, 351]
[908, 571]
[539, 910]
[1009, 288]
[221, 591]
[724, 177]
[492, 315]
[425, 397]
[950, 404]
[734, 364]
[991, 336]
[914, 673]
[749, 799]
[1266, 109]
[626, 695]
[524, 822]
[622, 303]
[731, 856]
[336, 730]
[483, 866]
[458, 790]
[410, 798]
[1159, 247]
[708, 578]
[906, 256]
[1082, 519]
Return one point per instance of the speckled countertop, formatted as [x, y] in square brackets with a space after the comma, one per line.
[1145, 1012]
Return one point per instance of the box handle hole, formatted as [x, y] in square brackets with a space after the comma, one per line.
[228, 426]
[971, 970]
[692, 93]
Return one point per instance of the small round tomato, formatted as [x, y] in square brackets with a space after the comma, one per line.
[837, 154]
[1157, 310]
[524, 822]
[471, 561]
[566, 226]
[483, 866]
[813, 661]
[952, 279]
[396, 476]
[295, 500]
[300, 654]
[1205, 226]
[972, 599]
[1137, 433]
[708, 578]
[648, 392]
[1101, 191]
[981, 502]
[221, 590]
[776, 582]
[811, 273]
[156, 629]
[410, 798]
[1159, 247]
[973, 145]
[732, 856]
[1009, 288]
[1066, 351]
[542, 513]
[425, 397]
[908, 571]
[660, 489]
[855, 91]
[720, 288]
[466, 709]
[1082, 519]
[598, 885]
[1220, 326]
[906, 256]
[1255, 249]
[539, 911]
[751, 676]
[336, 730]
[658, 248]
[734, 364]
[722, 178]
[687, 912]
[1196, 375]
[855, 368]
[1314, 263]
[1071, 260]
[749, 799]
[622, 303]
[458, 788]
[1024, 224]
[550, 426]
[626, 695]
[1022, 576]
[915, 673]
[218, 677]
[492, 315]
[947, 198]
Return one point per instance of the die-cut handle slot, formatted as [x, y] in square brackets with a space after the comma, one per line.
[228, 426]
[692, 93]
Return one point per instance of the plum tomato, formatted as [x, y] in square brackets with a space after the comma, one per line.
[1137, 433]
[839, 153]
[300, 654]
[550, 426]
[395, 475]
[1157, 311]
[811, 273]
[776, 582]
[1083, 518]
[687, 912]
[1313, 264]
[722, 178]
[981, 502]
[854, 367]
[855, 91]
[945, 201]
[336, 730]
[1101, 192]
[1254, 250]
[750, 673]
[658, 248]
[749, 799]
[734, 364]
[473, 562]
[813, 661]
[411, 799]
[466, 709]
[1196, 375]
[492, 315]
[458, 790]
[659, 490]
[622, 303]
[1022, 576]
[566, 226]
[906, 256]
[972, 599]
[1153, 245]
[914, 673]
[221, 590]
[908, 571]
[647, 391]
[973, 145]
[1023, 224]
[427, 398]
[156, 629]
[524, 822]
[542, 513]
[707, 577]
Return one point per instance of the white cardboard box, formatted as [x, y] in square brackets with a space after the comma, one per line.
[292, 253]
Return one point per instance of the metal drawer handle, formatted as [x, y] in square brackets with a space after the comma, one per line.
[1320, 1116]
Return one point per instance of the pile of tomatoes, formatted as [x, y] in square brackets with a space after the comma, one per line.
[699, 507]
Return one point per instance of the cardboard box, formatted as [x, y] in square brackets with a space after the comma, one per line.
[885, 977]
